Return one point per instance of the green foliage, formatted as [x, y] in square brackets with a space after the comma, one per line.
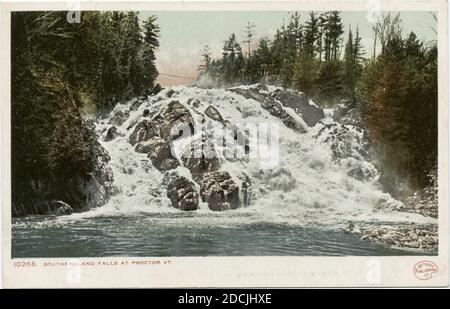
[306, 72]
[353, 67]
[398, 91]
[57, 69]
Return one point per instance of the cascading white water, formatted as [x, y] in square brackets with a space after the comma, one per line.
[310, 187]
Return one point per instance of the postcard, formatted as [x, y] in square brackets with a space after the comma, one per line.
[224, 144]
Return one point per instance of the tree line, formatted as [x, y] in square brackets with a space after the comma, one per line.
[394, 90]
[305, 56]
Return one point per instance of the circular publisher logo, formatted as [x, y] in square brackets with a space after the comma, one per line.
[424, 270]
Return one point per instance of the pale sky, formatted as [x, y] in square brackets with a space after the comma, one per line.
[183, 34]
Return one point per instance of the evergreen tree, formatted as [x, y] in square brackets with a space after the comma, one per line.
[232, 60]
[335, 30]
[311, 35]
[151, 33]
[249, 33]
[206, 59]
[352, 58]
[349, 58]
[398, 90]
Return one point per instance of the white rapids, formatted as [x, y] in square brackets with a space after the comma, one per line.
[309, 188]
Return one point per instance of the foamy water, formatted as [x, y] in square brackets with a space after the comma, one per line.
[316, 190]
[309, 188]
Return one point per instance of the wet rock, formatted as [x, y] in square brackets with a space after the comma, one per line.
[175, 115]
[340, 111]
[111, 134]
[182, 193]
[200, 157]
[60, 208]
[119, 118]
[406, 235]
[292, 122]
[153, 91]
[220, 191]
[132, 124]
[137, 103]
[170, 93]
[159, 152]
[299, 102]
[84, 182]
[274, 107]
[214, 114]
[347, 113]
[144, 147]
[143, 131]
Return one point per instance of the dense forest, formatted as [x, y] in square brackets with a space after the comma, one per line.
[394, 91]
[60, 69]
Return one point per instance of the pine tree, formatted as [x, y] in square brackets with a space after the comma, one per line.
[350, 64]
[335, 29]
[321, 27]
[206, 59]
[311, 35]
[151, 33]
[249, 33]
[232, 60]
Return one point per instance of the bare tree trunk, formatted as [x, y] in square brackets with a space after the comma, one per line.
[374, 43]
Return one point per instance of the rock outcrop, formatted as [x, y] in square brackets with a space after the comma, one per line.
[200, 157]
[278, 103]
[88, 187]
[111, 134]
[214, 114]
[143, 131]
[182, 193]
[403, 236]
[119, 118]
[301, 104]
[159, 152]
[220, 191]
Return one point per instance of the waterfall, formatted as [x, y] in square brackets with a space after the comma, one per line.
[324, 177]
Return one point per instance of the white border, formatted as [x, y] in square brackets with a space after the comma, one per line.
[230, 271]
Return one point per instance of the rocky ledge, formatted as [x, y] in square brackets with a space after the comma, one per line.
[90, 186]
[402, 236]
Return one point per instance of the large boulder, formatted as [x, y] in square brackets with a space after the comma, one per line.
[153, 91]
[119, 118]
[175, 114]
[301, 104]
[88, 187]
[60, 208]
[182, 193]
[111, 134]
[220, 191]
[214, 114]
[154, 136]
[274, 107]
[159, 152]
[200, 157]
[143, 131]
